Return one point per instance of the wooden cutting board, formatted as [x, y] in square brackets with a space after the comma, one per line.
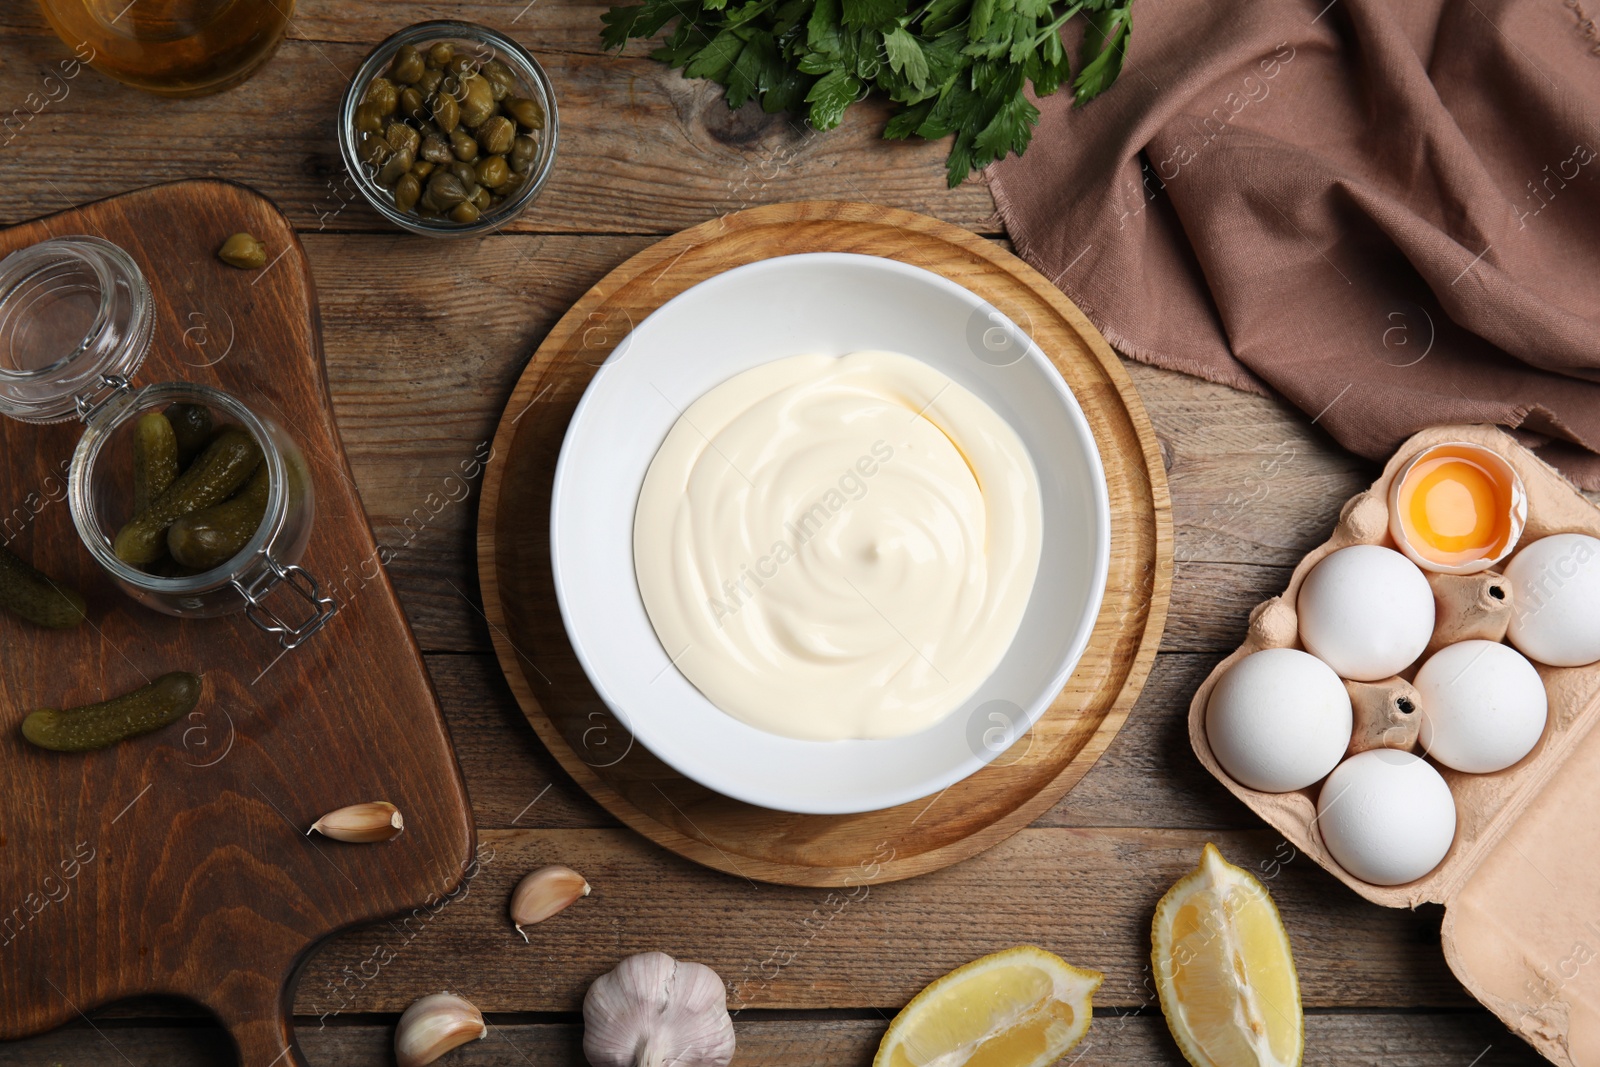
[178, 863]
[751, 842]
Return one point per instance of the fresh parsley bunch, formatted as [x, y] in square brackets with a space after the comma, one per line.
[954, 66]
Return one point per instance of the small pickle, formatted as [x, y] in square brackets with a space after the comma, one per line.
[94, 726]
[155, 458]
[525, 111]
[445, 191]
[242, 250]
[395, 166]
[212, 536]
[422, 168]
[464, 145]
[408, 190]
[191, 425]
[496, 135]
[408, 65]
[230, 458]
[412, 105]
[372, 149]
[465, 213]
[523, 152]
[441, 54]
[477, 102]
[430, 81]
[502, 82]
[369, 118]
[482, 199]
[511, 185]
[27, 592]
[436, 149]
[445, 111]
[382, 94]
[492, 171]
[400, 136]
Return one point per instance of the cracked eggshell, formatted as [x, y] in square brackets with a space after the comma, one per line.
[1555, 590]
[1483, 706]
[1386, 816]
[1278, 720]
[1366, 611]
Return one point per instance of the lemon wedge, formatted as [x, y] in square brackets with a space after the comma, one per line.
[1224, 971]
[1019, 1008]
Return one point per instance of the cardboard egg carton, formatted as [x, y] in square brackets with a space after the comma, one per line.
[1521, 882]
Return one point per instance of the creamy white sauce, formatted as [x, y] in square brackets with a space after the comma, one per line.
[838, 547]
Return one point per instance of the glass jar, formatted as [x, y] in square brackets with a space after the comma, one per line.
[478, 44]
[75, 324]
[172, 47]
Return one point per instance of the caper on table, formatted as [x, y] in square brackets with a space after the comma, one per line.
[242, 250]
[447, 132]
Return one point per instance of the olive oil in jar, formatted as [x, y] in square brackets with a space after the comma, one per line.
[172, 47]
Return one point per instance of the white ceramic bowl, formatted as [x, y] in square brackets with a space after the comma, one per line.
[834, 303]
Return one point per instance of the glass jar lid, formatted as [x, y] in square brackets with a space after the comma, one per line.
[75, 324]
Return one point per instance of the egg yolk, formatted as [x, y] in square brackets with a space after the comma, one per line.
[1455, 510]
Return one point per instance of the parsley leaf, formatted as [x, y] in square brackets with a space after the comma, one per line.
[906, 56]
[1104, 44]
[715, 61]
[951, 67]
[871, 13]
[830, 96]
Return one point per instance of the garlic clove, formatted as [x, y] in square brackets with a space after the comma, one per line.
[376, 820]
[543, 893]
[654, 1011]
[433, 1026]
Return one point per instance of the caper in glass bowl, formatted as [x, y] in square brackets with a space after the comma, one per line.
[449, 128]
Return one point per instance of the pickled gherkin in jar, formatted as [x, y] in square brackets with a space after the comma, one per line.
[227, 462]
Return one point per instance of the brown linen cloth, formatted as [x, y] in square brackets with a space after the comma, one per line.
[1388, 211]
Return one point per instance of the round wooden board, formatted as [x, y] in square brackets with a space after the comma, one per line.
[756, 843]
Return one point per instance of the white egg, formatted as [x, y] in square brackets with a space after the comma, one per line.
[1278, 720]
[1387, 816]
[1555, 606]
[1366, 611]
[1483, 706]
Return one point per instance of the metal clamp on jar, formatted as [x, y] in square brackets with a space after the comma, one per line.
[75, 325]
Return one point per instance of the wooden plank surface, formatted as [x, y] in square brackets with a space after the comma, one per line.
[1115, 1040]
[641, 150]
[423, 342]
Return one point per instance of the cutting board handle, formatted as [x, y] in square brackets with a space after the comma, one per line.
[264, 1037]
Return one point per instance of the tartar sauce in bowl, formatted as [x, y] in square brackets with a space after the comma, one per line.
[834, 547]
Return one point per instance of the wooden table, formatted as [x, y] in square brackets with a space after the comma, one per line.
[424, 340]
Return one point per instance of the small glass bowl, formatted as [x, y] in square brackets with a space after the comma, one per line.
[483, 44]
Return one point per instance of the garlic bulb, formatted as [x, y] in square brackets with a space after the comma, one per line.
[433, 1026]
[653, 1011]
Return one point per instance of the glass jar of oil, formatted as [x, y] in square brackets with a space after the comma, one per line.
[172, 47]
